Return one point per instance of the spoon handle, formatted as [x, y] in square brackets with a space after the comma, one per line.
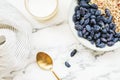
[55, 75]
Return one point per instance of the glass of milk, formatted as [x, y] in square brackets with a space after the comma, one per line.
[42, 10]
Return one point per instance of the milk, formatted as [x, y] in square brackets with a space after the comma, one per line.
[42, 8]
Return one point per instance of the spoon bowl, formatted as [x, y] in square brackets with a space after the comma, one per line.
[45, 62]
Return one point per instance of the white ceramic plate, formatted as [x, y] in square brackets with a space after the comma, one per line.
[82, 40]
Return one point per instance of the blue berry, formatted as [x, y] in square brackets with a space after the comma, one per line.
[101, 45]
[67, 64]
[82, 11]
[107, 11]
[87, 16]
[104, 19]
[112, 25]
[110, 37]
[101, 23]
[88, 28]
[77, 8]
[104, 30]
[98, 41]
[78, 14]
[86, 21]
[98, 18]
[103, 40]
[93, 21]
[94, 6]
[115, 40]
[84, 4]
[97, 28]
[110, 44]
[89, 38]
[74, 18]
[109, 20]
[97, 35]
[80, 34]
[78, 27]
[73, 53]
[98, 13]
[93, 17]
[92, 42]
[92, 11]
[82, 21]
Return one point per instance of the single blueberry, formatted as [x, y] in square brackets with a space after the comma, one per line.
[115, 40]
[98, 13]
[92, 11]
[107, 11]
[118, 34]
[103, 36]
[97, 28]
[104, 30]
[101, 45]
[80, 34]
[82, 11]
[109, 20]
[74, 18]
[67, 64]
[101, 23]
[98, 18]
[77, 8]
[88, 28]
[97, 35]
[104, 40]
[78, 14]
[104, 19]
[110, 44]
[82, 21]
[73, 52]
[112, 25]
[89, 38]
[87, 16]
[93, 21]
[111, 31]
[87, 21]
[77, 23]
[94, 6]
[84, 4]
[85, 0]
[98, 41]
[93, 17]
[110, 38]
[87, 33]
[92, 42]
[78, 27]
[84, 31]
[92, 33]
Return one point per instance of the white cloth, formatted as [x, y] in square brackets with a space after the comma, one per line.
[15, 51]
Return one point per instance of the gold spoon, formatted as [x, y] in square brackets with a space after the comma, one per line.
[45, 62]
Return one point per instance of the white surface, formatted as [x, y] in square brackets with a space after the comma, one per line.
[58, 42]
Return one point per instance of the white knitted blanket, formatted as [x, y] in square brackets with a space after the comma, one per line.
[17, 31]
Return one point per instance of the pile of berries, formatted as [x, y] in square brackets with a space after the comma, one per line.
[94, 26]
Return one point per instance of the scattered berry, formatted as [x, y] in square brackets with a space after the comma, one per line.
[73, 53]
[67, 64]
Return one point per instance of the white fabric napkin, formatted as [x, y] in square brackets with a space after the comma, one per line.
[17, 31]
